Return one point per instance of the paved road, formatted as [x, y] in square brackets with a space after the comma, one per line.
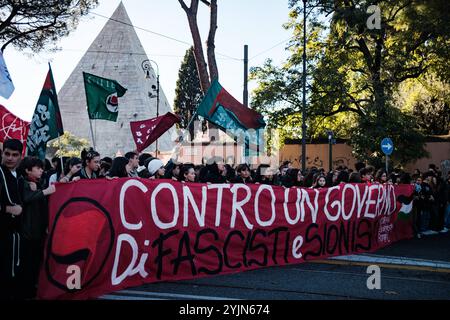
[330, 279]
[436, 247]
[300, 282]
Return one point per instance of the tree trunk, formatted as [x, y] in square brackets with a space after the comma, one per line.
[202, 67]
[213, 71]
[379, 86]
[198, 48]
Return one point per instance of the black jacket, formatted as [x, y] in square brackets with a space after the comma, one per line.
[425, 195]
[35, 212]
[9, 196]
[9, 228]
[239, 179]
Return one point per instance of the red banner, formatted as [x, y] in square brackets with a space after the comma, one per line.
[148, 131]
[105, 235]
[12, 127]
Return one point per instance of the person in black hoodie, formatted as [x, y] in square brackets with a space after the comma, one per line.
[34, 223]
[10, 220]
[427, 198]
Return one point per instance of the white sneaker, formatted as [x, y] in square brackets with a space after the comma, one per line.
[445, 230]
[429, 232]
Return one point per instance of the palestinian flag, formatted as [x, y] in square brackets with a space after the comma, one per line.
[406, 208]
[222, 109]
[403, 220]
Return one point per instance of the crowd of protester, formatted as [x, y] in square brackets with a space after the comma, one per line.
[26, 183]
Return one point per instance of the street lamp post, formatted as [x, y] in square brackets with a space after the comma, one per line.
[304, 91]
[146, 66]
[330, 151]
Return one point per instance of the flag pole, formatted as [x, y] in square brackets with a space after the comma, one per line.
[61, 158]
[92, 133]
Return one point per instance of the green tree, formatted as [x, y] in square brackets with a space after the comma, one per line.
[428, 100]
[69, 145]
[354, 70]
[37, 24]
[188, 93]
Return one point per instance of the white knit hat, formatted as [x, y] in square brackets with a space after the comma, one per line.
[154, 165]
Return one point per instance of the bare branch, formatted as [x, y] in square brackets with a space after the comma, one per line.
[23, 34]
[184, 6]
[9, 19]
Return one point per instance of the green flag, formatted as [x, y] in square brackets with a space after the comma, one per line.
[222, 109]
[46, 124]
[102, 97]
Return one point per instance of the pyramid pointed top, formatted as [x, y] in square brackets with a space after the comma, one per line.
[118, 35]
[120, 14]
[116, 53]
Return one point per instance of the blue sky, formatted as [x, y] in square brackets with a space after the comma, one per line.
[256, 23]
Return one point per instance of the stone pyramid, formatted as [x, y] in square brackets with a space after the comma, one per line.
[117, 54]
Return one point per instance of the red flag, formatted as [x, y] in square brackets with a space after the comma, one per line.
[12, 127]
[147, 131]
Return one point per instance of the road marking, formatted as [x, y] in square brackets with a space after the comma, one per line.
[389, 262]
[352, 274]
[121, 297]
[164, 294]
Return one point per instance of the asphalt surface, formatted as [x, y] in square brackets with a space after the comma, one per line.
[318, 280]
[435, 247]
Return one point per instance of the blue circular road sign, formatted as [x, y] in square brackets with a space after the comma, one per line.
[387, 146]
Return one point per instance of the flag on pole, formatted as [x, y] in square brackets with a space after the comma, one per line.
[6, 84]
[102, 97]
[12, 127]
[46, 124]
[147, 131]
[222, 109]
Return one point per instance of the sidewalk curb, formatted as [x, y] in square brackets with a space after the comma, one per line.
[390, 262]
